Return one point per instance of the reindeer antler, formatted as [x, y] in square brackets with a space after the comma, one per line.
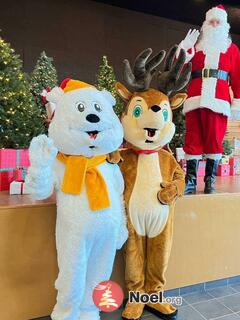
[140, 78]
[171, 79]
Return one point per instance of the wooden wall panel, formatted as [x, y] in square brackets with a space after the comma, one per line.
[78, 32]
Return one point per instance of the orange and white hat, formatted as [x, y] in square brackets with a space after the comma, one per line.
[70, 84]
[217, 12]
[67, 85]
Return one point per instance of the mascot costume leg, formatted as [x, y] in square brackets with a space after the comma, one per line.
[73, 161]
[153, 178]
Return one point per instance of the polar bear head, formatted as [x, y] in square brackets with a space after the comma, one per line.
[84, 122]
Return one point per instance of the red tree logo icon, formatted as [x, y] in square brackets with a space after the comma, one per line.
[108, 296]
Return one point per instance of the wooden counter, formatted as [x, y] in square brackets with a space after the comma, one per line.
[205, 247]
[27, 257]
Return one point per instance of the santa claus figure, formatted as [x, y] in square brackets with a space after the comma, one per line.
[215, 67]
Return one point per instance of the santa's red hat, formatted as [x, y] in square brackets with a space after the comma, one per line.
[217, 12]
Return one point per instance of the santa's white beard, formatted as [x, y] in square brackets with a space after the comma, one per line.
[214, 39]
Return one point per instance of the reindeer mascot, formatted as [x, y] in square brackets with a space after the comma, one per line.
[153, 178]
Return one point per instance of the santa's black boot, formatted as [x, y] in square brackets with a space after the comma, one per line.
[191, 176]
[210, 175]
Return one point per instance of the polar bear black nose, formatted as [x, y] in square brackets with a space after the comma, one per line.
[155, 108]
[92, 118]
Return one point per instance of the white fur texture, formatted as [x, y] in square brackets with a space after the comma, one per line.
[55, 95]
[216, 105]
[69, 126]
[86, 241]
[189, 55]
[193, 156]
[214, 156]
[216, 13]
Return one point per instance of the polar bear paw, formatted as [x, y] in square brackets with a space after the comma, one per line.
[42, 151]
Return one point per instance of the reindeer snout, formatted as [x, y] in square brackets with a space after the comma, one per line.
[155, 108]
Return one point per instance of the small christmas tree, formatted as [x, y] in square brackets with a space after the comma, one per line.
[20, 119]
[179, 121]
[227, 147]
[106, 80]
[44, 76]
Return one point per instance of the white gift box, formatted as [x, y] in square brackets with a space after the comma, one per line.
[18, 187]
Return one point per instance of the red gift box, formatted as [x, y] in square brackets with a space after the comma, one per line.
[201, 168]
[13, 166]
[223, 170]
[233, 166]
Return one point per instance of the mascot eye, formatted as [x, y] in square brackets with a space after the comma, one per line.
[80, 106]
[165, 114]
[97, 107]
[137, 111]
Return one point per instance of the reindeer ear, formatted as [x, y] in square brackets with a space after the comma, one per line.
[177, 100]
[123, 92]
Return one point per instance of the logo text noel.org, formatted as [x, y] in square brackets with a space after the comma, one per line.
[139, 297]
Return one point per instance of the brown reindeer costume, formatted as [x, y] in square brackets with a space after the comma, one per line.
[153, 179]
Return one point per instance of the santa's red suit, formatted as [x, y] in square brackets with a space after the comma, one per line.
[205, 94]
[210, 97]
[215, 67]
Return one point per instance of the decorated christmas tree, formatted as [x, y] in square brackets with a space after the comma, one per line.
[179, 121]
[106, 80]
[20, 119]
[227, 147]
[44, 76]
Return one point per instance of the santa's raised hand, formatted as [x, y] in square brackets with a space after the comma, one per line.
[190, 40]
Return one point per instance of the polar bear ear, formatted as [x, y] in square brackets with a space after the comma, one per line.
[109, 97]
[55, 95]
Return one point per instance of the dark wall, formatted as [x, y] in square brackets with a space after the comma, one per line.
[76, 33]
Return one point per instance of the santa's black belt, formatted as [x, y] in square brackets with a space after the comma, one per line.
[210, 73]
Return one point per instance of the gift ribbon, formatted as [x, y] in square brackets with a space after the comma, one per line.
[18, 158]
[7, 169]
[22, 182]
[21, 187]
[24, 169]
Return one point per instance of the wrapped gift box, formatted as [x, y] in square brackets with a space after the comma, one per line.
[223, 170]
[13, 166]
[18, 187]
[237, 163]
[233, 166]
[201, 168]
[225, 159]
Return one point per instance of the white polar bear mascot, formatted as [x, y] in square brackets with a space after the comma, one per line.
[91, 222]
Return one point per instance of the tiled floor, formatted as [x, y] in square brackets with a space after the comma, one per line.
[222, 303]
